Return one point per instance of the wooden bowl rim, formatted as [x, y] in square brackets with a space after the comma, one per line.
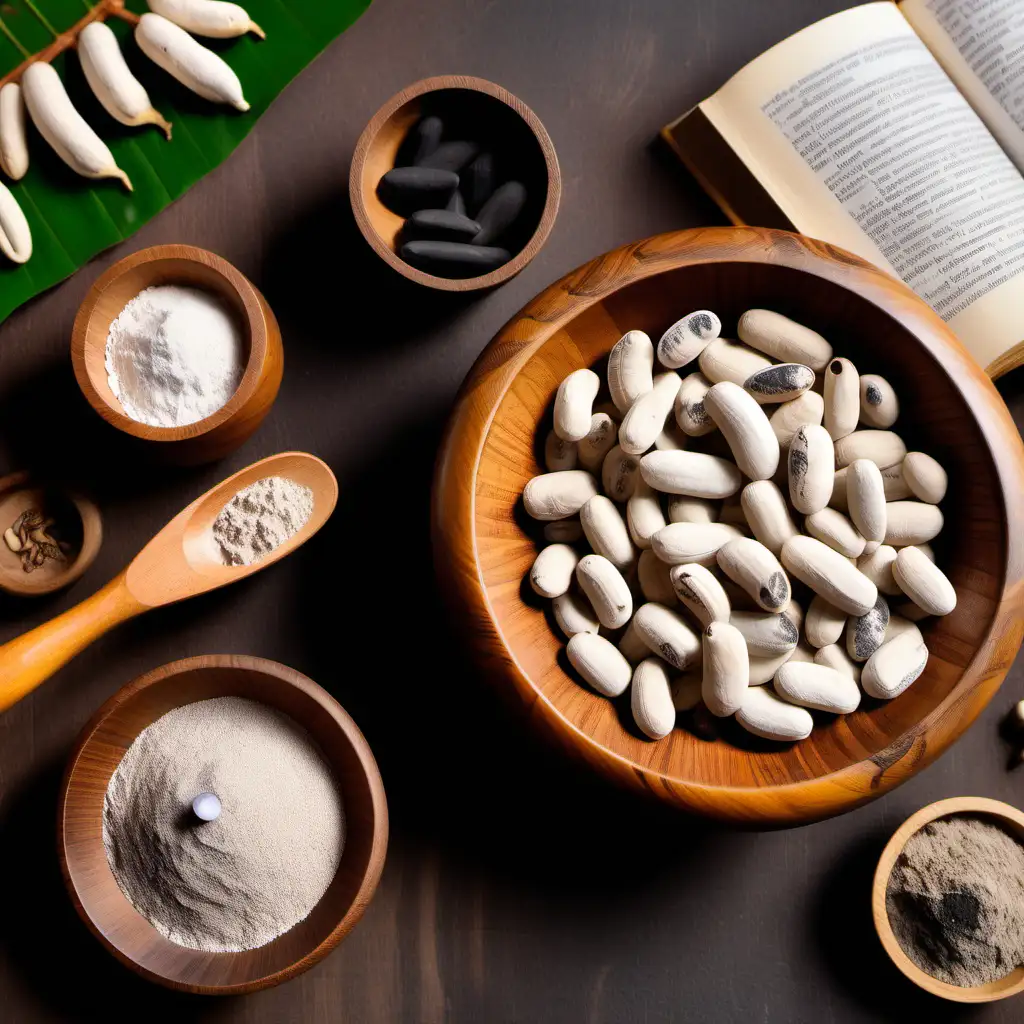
[526, 332]
[352, 735]
[551, 202]
[932, 812]
[259, 343]
[92, 539]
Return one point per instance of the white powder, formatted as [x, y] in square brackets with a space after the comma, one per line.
[257, 870]
[174, 356]
[260, 518]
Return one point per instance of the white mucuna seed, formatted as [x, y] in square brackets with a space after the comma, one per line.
[877, 566]
[553, 570]
[654, 578]
[687, 338]
[882, 447]
[15, 234]
[645, 420]
[691, 415]
[779, 383]
[767, 514]
[563, 531]
[746, 429]
[829, 574]
[632, 647]
[214, 18]
[896, 487]
[911, 522]
[789, 417]
[817, 686]
[684, 509]
[64, 128]
[811, 469]
[699, 590]
[879, 406]
[559, 455]
[894, 666]
[651, 699]
[606, 589]
[866, 633]
[926, 479]
[13, 139]
[630, 369]
[573, 614]
[824, 623]
[842, 398]
[726, 669]
[762, 670]
[767, 716]
[606, 532]
[724, 359]
[118, 90]
[750, 565]
[574, 404]
[680, 543]
[558, 495]
[597, 443]
[170, 47]
[619, 473]
[783, 339]
[666, 634]
[766, 635]
[600, 663]
[835, 656]
[831, 527]
[644, 516]
[865, 495]
[695, 474]
[923, 582]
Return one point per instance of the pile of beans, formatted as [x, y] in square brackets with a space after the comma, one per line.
[671, 518]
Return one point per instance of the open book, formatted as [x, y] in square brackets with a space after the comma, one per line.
[896, 132]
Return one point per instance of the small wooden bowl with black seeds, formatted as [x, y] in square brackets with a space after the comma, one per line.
[455, 183]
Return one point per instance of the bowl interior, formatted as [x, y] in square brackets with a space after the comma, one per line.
[469, 114]
[1002, 815]
[113, 293]
[934, 417]
[129, 935]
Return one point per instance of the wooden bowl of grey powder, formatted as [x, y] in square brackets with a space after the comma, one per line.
[948, 899]
[173, 345]
[242, 899]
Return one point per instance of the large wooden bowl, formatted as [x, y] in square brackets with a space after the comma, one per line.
[485, 543]
[93, 888]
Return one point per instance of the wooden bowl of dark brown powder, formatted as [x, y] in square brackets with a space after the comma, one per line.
[278, 738]
[948, 899]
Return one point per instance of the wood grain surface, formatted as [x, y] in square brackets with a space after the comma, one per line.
[485, 543]
[517, 887]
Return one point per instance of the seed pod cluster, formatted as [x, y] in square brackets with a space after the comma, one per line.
[767, 571]
[162, 34]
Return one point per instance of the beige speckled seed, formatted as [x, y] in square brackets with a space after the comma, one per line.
[558, 495]
[630, 369]
[574, 404]
[699, 590]
[724, 359]
[726, 669]
[783, 339]
[842, 398]
[651, 700]
[923, 582]
[879, 406]
[691, 416]
[926, 479]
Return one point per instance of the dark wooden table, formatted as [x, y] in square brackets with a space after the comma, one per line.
[517, 888]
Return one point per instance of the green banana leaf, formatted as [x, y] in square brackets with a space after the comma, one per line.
[73, 218]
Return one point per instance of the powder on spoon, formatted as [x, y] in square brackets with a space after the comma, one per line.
[955, 900]
[260, 518]
[174, 356]
[252, 874]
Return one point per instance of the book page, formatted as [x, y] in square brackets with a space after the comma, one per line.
[980, 43]
[862, 139]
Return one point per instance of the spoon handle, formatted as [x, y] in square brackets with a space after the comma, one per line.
[32, 658]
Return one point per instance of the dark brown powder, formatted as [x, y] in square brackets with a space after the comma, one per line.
[955, 900]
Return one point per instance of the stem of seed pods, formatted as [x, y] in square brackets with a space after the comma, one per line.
[13, 39]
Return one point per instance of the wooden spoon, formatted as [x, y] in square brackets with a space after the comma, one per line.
[181, 561]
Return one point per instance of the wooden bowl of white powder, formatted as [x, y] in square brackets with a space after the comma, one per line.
[174, 345]
[265, 704]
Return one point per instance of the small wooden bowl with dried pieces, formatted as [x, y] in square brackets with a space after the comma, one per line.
[50, 537]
